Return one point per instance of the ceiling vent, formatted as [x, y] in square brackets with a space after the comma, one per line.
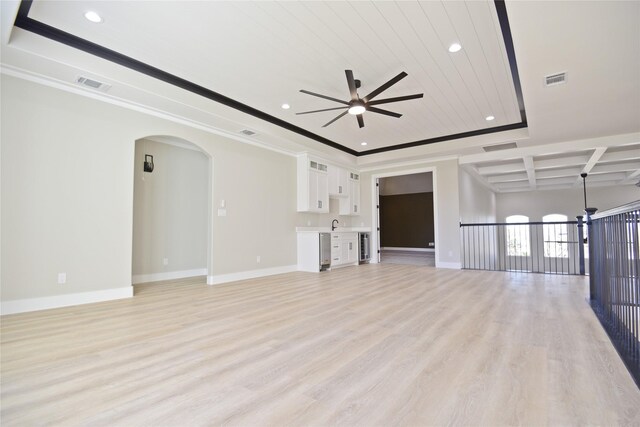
[500, 147]
[247, 132]
[93, 84]
[555, 79]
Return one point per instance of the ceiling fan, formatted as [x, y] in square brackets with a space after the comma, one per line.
[356, 106]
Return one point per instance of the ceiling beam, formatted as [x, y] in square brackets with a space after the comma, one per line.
[566, 180]
[506, 168]
[531, 171]
[593, 160]
[520, 176]
[631, 177]
[617, 156]
[568, 186]
[618, 177]
[561, 161]
[555, 173]
[517, 185]
[554, 148]
[595, 157]
[616, 167]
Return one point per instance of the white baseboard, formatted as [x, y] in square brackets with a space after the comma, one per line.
[251, 274]
[169, 275]
[66, 300]
[453, 265]
[408, 249]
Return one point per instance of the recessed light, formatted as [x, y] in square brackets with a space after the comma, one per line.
[363, 143]
[455, 47]
[489, 118]
[285, 106]
[93, 16]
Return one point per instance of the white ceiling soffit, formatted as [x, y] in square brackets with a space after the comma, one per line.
[255, 56]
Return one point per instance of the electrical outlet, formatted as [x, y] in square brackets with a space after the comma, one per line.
[62, 278]
[308, 223]
[165, 261]
[258, 259]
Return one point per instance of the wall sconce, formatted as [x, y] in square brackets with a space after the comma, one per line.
[148, 163]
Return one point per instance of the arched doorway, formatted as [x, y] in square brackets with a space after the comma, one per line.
[171, 210]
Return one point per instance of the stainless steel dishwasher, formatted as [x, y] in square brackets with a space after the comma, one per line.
[325, 251]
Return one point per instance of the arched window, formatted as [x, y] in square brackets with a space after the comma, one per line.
[556, 244]
[517, 235]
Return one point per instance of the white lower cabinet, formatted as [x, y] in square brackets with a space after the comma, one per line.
[344, 249]
[336, 249]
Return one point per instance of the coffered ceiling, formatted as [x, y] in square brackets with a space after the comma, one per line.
[229, 66]
[605, 161]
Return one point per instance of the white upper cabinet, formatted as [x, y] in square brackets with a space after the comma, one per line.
[317, 180]
[313, 185]
[338, 181]
[351, 204]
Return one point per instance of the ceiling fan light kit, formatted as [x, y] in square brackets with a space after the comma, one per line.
[357, 106]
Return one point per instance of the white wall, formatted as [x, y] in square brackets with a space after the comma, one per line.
[407, 184]
[324, 220]
[170, 212]
[570, 202]
[67, 194]
[477, 203]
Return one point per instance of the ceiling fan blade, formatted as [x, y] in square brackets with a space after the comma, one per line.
[385, 86]
[324, 96]
[352, 85]
[396, 99]
[342, 114]
[360, 120]
[326, 109]
[385, 112]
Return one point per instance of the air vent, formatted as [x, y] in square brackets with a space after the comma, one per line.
[555, 79]
[93, 84]
[500, 147]
[247, 132]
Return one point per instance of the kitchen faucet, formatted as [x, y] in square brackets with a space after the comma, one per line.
[333, 227]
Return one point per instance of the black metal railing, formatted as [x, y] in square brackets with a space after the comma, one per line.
[536, 247]
[614, 258]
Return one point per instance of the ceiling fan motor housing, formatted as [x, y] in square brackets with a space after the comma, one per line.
[356, 105]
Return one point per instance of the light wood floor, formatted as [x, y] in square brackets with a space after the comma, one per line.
[369, 345]
[408, 257]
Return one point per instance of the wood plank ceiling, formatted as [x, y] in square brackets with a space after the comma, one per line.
[262, 53]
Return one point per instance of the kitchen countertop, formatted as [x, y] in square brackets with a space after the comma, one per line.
[337, 230]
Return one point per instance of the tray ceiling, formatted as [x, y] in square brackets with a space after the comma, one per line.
[260, 54]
